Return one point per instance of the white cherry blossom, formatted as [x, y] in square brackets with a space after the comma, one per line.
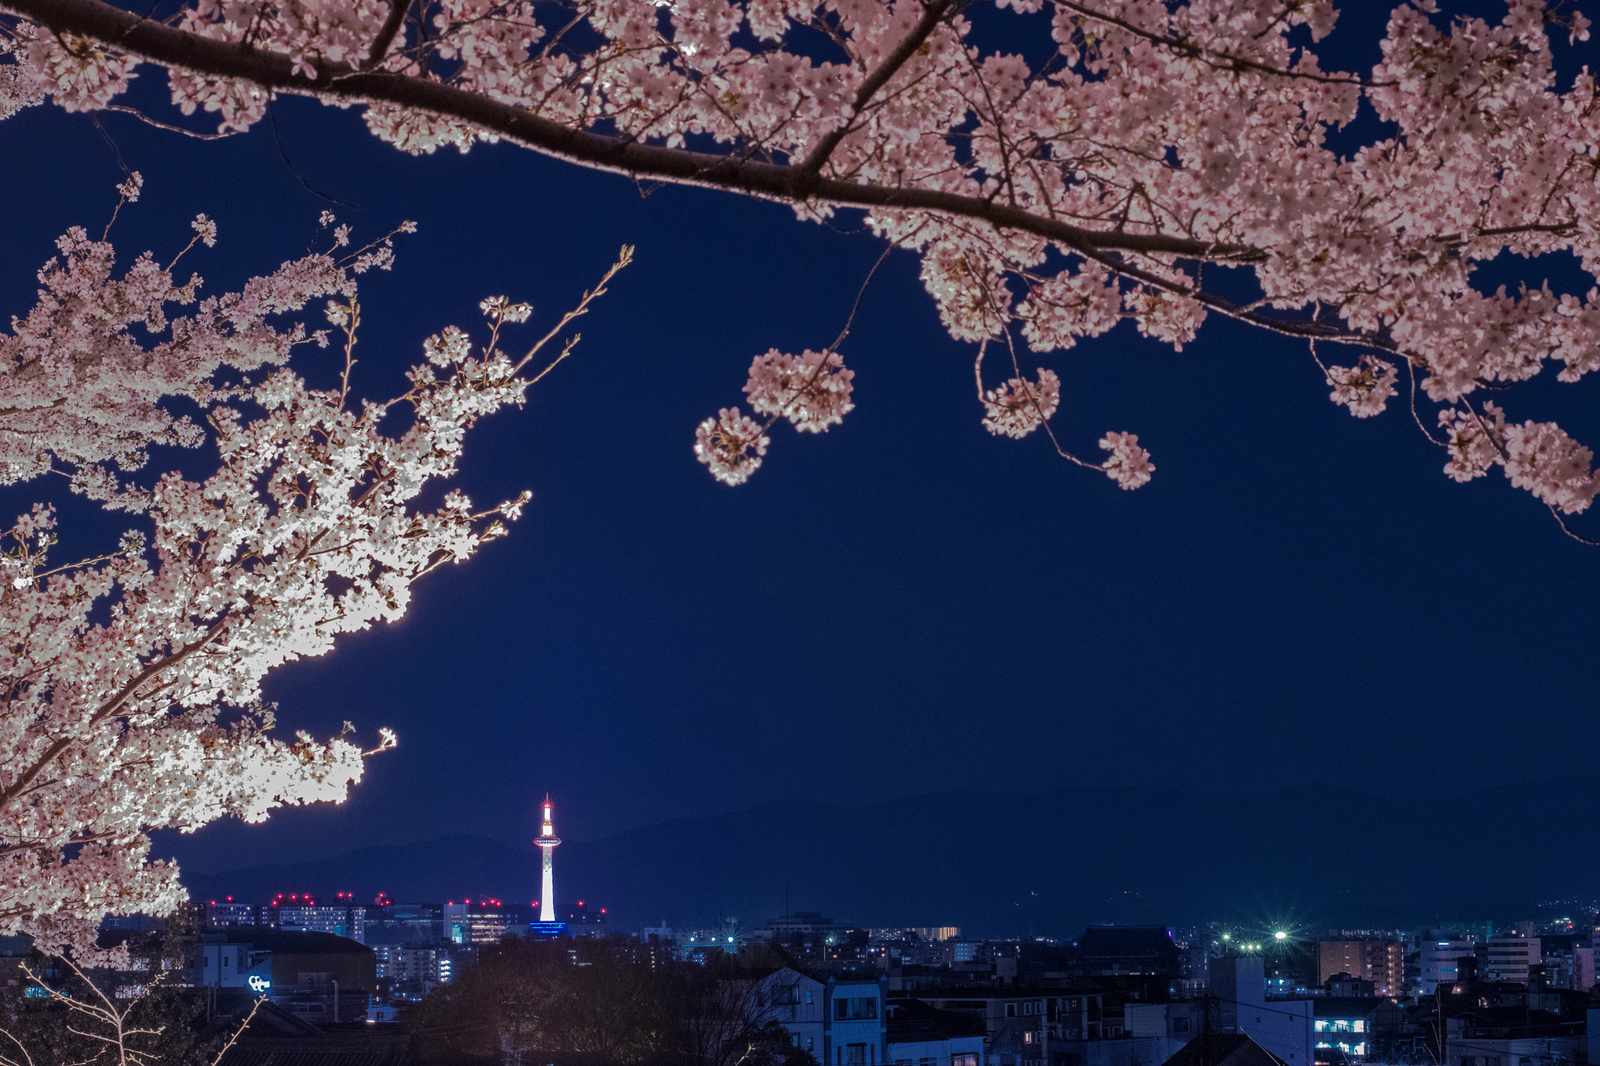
[132, 696]
[1018, 407]
[1128, 464]
[731, 445]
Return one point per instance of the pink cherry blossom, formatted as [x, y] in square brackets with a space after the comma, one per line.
[1128, 464]
[731, 445]
[1364, 388]
[1018, 407]
[1148, 162]
[812, 389]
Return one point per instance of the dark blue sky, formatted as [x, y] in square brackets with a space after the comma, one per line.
[903, 605]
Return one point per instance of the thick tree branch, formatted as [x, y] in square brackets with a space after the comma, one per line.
[896, 59]
[386, 35]
[788, 183]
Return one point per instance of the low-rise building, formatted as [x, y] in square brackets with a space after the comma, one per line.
[795, 1001]
[316, 976]
[854, 1021]
[921, 1035]
[1346, 1023]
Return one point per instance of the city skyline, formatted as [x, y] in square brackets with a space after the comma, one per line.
[1156, 855]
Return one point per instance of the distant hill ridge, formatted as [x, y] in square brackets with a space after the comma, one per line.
[1006, 864]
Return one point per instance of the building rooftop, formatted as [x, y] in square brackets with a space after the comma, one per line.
[291, 942]
[1126, 941]
[1345, 1006]
[911, 1020]
[1224, 1049]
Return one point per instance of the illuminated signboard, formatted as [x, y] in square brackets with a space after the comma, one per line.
[259, 983]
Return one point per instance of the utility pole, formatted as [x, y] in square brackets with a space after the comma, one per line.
[1443, 1031]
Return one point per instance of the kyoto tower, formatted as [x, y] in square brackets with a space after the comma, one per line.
[547, 889]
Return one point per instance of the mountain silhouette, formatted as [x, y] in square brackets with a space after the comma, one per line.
[1002, 864]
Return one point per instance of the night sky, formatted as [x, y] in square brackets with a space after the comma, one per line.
[904, 605]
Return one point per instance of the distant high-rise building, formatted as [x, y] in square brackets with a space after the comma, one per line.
[547, 886]
[1510, 958]
[481, 921]
[1439, 961]
[229, 914]
[1380, 961]
[936, 933]
[346, 921]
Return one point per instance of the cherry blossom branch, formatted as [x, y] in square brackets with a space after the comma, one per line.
[386, 35]
[1411, 373]
[233, 1038]
[1032, 394]
[1216, 60]
[21, 783]
[624, 257]
[787, 183]
[1563, 524]
[850, 319]
[932, 15]
[124, 109]
[127, 549]
[27, 1059]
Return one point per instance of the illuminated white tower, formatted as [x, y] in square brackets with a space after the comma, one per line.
[547, 889]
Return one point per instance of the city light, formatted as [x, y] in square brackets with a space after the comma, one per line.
[1280, 935]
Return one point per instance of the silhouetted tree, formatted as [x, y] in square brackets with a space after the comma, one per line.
[60, 1013]
[584, 1001]
[574, 1000]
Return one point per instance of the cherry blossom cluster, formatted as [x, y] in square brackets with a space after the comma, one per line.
[1155, 162]
[731, 445]
[132, 681]
[1018, 406]
[812, 389]
[79, 382]
[1364, 388]
[1537, 456]
[1128, 464]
